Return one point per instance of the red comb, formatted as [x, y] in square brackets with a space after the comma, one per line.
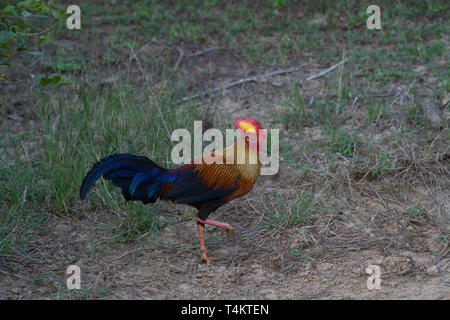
[249, 120]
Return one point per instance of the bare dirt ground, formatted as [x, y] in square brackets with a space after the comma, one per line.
[324, 258]
[365, 218]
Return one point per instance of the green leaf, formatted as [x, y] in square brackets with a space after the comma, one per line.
[42, 16]
[25, 13]
[57, 14]
[45, 38]
[55, 79]
[52, 79]
[35, 53]
[6, 36]
[44, 81]
[24, 4]
[9, 10]
[43, 8]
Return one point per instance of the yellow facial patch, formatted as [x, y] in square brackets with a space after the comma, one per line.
[247, 127]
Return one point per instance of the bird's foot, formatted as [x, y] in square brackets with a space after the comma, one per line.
[207, 259]
[230, 234]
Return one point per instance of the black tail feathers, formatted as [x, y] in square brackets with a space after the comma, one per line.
[139, 177]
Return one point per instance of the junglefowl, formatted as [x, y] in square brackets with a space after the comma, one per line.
[205, 185]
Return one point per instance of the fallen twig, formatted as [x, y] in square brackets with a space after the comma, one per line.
[250, 79]
[238, 82]
[198, 53]
[326, 71]
[179, 58]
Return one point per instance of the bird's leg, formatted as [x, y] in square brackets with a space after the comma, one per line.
[226, 226]
[200, 229]
[201, 236]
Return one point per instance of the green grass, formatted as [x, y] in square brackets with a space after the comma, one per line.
[416, 115]
[416, 211]
[343, 142]
[66, 130]
[377, 110]
[288, 213]
[76, 133]
[267, 33]
[299, 112]
[384, 162]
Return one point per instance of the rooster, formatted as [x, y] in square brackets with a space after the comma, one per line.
[205, 185]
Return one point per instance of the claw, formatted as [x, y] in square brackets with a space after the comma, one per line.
[207, 259]
[230, 234]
